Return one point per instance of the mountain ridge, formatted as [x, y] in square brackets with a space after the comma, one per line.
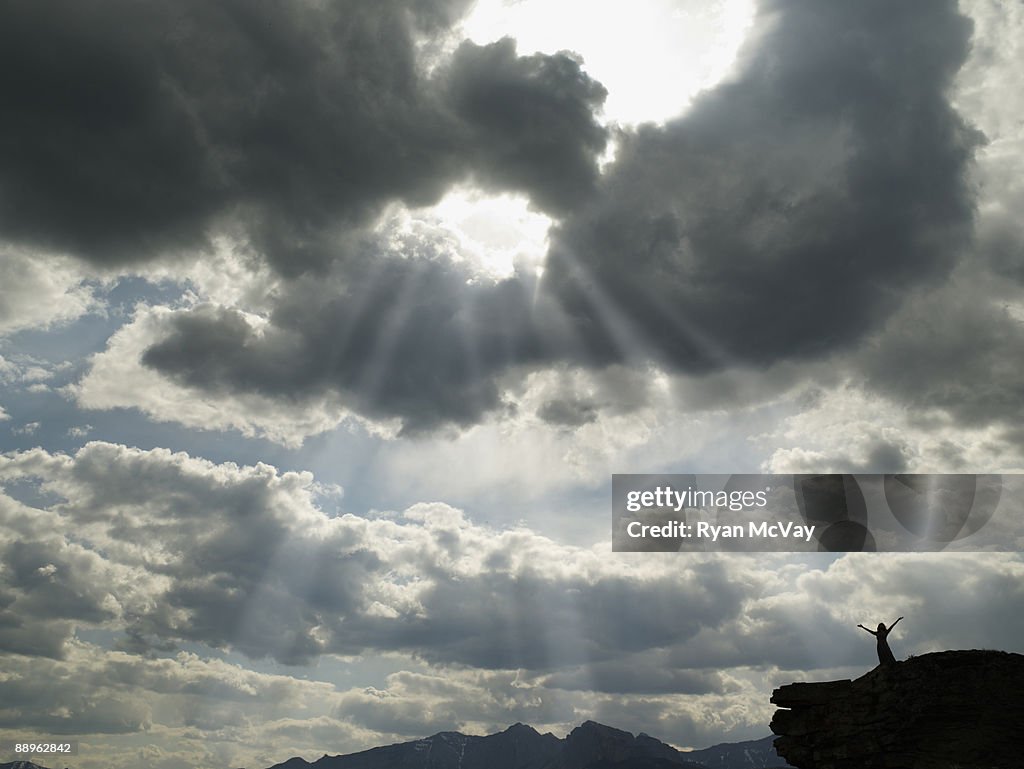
[588, 746]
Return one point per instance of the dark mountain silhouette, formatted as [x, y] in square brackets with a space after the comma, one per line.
[946, 709]
[588, 746]
[752, 754]
[518, 747]
[21, 765]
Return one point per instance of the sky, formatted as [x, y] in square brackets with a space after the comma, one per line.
[323, 326]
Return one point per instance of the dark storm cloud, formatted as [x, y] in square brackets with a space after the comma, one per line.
[23, 634]
[792, 632]
[784, 216]
[46, 583]
[134, 127]
[1001, 237]
[789, 209]
[534, 117]
[569, 412]
[637, 674]
[954, 350]
[527, 620]
[398, 338]
[53, 583]
[44, 704]
[884, 457]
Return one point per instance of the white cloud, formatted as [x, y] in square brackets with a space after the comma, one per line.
[987, 93]
[492, 235]
[229, 274]
[37, 291]
[852, 429]
[27, 370]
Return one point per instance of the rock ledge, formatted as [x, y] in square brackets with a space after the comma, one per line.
[962, 709]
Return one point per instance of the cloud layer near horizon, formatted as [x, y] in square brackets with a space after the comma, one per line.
[159, 550]
[169, 549]
[174, 549]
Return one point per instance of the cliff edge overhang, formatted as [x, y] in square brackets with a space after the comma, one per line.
[960, 709]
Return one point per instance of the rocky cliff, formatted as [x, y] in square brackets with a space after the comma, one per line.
[961, 709]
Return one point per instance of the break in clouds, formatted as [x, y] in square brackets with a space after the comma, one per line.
[787, 216]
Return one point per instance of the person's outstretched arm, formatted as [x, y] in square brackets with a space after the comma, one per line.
[869, 629]
[894, 624]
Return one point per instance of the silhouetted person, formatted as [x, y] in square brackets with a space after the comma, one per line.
[884, 652]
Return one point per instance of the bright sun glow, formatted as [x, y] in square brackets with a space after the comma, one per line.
[653, 56]
[494, 235]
